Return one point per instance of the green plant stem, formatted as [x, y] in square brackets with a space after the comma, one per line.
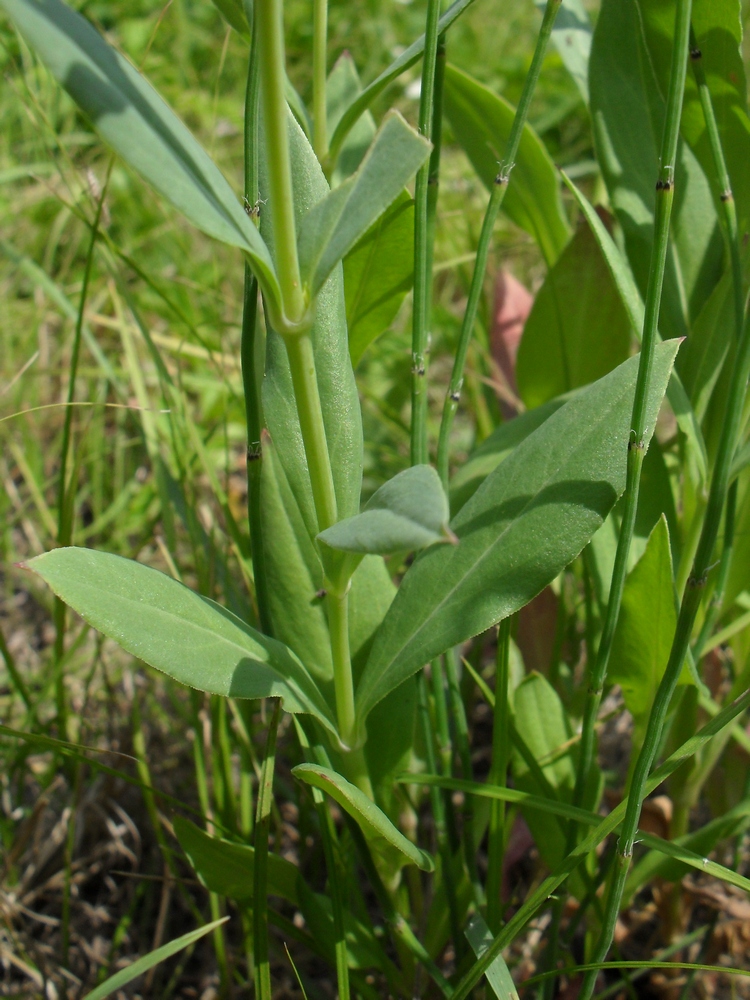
[438, 813]
[269, 25]
[64, 499]
[335, 886]
[248, 346]
[422, 275]
[458, 713]
[260, 868]
[688, 610]
[338, 623]
[717, 597]
[498, 776]
[497, 195]
[538, 896]
[636, 449]
[319, 73]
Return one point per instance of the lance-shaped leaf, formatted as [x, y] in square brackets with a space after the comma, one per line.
[187, 636]
[498, 975]
[481, 122]
[227, 868]
[332, 227]
[381, 835]
[130, 115]
[571, 36]
[408, 512]
[524, 524]
[233, 12]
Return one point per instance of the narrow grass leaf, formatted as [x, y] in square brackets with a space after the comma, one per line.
[136, 969]
[187, 636]
[381, 835]
[130, 115]
[498, 975]
[527, 521]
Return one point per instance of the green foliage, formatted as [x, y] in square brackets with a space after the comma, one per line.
[482, 122]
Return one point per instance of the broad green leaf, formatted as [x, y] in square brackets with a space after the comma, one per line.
[718, 32]
[382, 836]
[342, 88]
[527, 521]
[227, 868]
[233, 12]
[480, 937]
[378, 272]
[571, 36]
[481, 122]
[578, 329]
[633, 303]
[142, 965]
[187, 636]
[293, 570]
[136, 122]
[645, 629]
[628, 112]
[336, 385]
[408, 512]
[495, 449]
[407, 58]
[329, 230]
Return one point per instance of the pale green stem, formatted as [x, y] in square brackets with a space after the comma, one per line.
[485, 239]
[498, 776]
[422, 277]
[664, 198]
[260, 866]
[319, 70]
[688, 610]
[269, 24]
[338, 622]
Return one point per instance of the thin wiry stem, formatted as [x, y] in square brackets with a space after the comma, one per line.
[485, 239]
[498, 776]
[422, 255]
[260, 864]
[636, 449]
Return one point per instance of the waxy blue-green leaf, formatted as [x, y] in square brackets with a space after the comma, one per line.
[633, 303]
[329, 230]
[628, 110]
[408, 512]
[142, 965]
[187, 636]
[645, 630]
[382, 836]
[481, 122]
[577, 330]
[130, 115]
[338, 391]
[378, 272]
[525, 523]
[227, 868]
[495, 449]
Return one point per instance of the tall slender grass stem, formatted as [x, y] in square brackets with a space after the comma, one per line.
[497, 195]
[498, 776]
[664, 198]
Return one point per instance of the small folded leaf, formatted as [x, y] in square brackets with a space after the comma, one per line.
[332, 227]
[227, 868]
[233, 12]
[381, 835]
[408, 512]
[187, 636]
[130, 115]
